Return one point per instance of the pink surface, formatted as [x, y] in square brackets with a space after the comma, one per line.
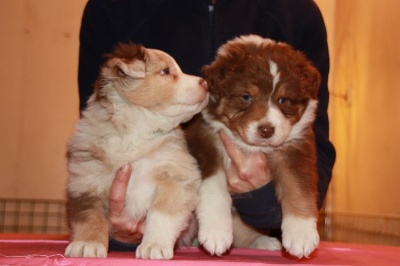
[50, 252]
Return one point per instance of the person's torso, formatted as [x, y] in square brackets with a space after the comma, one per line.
[191, 31]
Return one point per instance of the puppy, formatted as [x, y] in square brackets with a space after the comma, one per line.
[263, 95]
[140, 99]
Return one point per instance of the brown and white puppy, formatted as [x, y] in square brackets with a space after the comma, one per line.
[140, 99]
[263, 95]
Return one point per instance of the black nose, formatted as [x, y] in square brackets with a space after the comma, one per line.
[266, 130]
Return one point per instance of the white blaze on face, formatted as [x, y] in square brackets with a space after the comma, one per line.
[274, 117]
[273, 69]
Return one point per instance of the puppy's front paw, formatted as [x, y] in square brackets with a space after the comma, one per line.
[216, 240]
[154, 251]
[299, 235]
[266, 243]
[86, 249]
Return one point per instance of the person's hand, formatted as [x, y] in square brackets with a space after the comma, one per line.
[124, 229]
[248, 171]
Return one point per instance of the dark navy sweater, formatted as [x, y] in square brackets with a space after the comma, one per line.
[191, 31]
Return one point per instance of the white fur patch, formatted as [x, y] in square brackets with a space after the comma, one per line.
[306, 119]
[214, 215]
[266, 243]
[252, 132]
[273, 68]
[245, 39]
[159, 238]
[299, 235]
[281, 124]
[86, 249]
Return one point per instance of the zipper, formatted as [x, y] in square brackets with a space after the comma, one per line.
[211, 14]
[211, 9]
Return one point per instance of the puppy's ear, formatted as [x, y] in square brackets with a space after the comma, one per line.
[309, 76]
[214, 74]
[128, 60]
[133, 69]
[210, 75]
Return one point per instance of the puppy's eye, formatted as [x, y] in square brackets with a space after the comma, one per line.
[282, 100]
[165, 71]
[247, 98]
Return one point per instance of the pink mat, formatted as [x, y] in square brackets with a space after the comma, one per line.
[50, 252]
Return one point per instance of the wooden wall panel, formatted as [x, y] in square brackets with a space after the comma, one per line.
[365, 117]
[39, 103]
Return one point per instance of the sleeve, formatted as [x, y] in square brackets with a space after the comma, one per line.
[260, 208]
[315, 45]
[96, 39]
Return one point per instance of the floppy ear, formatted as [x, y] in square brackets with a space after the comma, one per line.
[133, 69]
[213, 74]
[128, 60]
[312, 80]
[309, 77]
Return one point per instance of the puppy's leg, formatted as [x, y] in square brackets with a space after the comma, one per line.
[244, 236]
[297, 195]
[167, 217]
[188, 238]
[214, 214]
[299, 235]
[89, 228]
[299, 225]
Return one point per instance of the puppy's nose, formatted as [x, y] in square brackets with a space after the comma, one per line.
[204, 84]
[266, 130]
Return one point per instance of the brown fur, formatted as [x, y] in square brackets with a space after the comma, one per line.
[296, 179]
[198, 138]
[242, 93]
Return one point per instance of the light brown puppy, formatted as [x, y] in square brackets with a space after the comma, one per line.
[140, 99]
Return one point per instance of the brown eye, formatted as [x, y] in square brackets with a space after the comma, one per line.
[246, 98]
[282, 100]
[165, 71]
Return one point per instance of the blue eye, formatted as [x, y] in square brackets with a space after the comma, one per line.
[165, 71]
[282, 100]
[247, 98]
